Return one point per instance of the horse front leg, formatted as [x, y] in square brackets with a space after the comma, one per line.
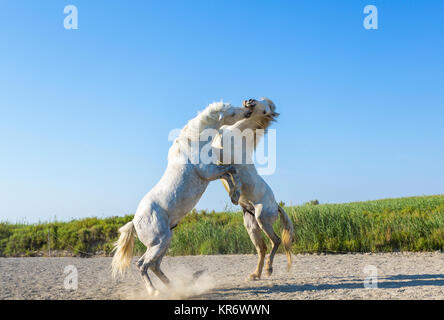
[210, 172]
[233, 189]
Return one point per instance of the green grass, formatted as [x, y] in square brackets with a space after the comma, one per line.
[405, 224]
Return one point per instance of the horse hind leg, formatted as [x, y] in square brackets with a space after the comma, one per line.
[143, 268]
[254, 231]
[265, 222]
[152, 291]
[140, 262]
[155, 233]
[158, 272]
[150, 259]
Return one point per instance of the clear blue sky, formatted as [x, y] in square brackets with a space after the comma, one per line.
[85, 114]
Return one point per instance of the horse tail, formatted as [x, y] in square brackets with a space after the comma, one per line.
[123, 249]
[287, 234]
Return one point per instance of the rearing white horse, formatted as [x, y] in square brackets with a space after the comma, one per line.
[256, 199]
[177, 192]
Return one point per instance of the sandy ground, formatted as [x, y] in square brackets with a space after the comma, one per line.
[399, 276]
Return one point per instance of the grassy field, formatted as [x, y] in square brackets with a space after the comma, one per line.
[404, 224]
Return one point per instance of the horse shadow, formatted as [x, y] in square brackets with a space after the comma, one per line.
[384, 282]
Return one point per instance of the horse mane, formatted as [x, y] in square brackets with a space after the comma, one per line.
[206, 117]
[262, 123]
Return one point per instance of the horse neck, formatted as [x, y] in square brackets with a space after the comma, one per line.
[243, 124]
[254, 123]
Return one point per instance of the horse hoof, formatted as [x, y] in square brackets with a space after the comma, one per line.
[235, 198]
[250, 103]
[153, 292]
[197, 274]
[253, 277]
[268, 271]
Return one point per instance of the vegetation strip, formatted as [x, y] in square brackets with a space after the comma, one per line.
[404, 224]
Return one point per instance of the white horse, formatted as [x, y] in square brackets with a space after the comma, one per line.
[177, 192]
[256, 199]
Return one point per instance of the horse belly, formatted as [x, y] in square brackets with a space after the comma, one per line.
[182, 194]
[253, 186]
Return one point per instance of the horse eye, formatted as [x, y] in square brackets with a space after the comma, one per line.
[265, 112]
